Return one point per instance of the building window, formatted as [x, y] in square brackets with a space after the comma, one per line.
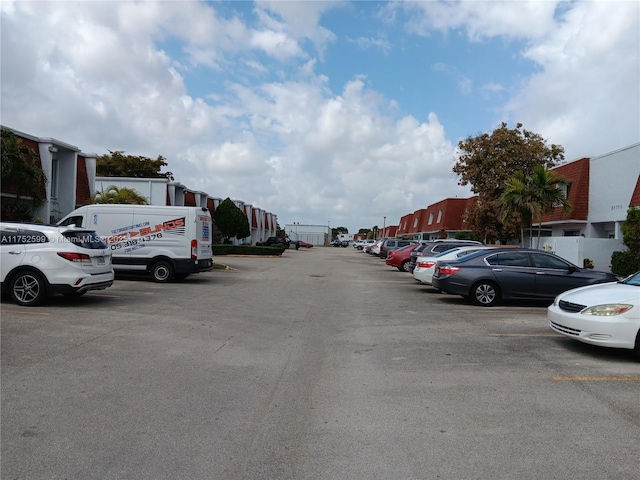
[54, 176]
[566, 190]
[430, 218]
[439, 216]
[572, 233]
[415, 222]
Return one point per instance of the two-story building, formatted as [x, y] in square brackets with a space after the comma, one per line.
[72, 181]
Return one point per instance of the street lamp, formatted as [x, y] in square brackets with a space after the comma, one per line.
[384, 224]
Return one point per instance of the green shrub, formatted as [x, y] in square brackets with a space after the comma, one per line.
[219, 250]
[624, 263]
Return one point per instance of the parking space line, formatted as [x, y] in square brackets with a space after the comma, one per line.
[21, 312]
[525, 335]
[597, 379]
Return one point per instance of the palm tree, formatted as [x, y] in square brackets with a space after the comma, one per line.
[546, 185]
[115, 194]
[531, 197]
[518, 198]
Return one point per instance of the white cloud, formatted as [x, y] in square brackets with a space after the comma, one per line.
[482, 19]
[117, 76]
[590, 79]
[380, 43]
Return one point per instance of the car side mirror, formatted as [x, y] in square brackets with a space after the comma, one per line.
[572, 268]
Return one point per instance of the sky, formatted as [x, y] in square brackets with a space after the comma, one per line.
[340, 113]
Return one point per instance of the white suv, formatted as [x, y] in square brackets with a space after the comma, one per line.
[37, 261]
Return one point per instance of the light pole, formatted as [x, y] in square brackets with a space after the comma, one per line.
[384, 224]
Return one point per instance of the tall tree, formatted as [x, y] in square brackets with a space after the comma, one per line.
[22, 177]
[114, 194]
[231, 220]
[487, 161]
[117, 164]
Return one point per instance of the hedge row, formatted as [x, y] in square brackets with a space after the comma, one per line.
[624, 263]
[219, 250]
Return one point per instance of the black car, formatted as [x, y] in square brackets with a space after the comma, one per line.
[340, 243]
[489, 276]
[434, 247]
[284, 242]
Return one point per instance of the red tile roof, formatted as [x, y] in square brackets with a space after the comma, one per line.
[578, 174]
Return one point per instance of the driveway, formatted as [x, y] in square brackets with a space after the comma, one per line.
[321, 364]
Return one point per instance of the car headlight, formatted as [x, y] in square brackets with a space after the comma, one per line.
[608, 310]
[556, 301]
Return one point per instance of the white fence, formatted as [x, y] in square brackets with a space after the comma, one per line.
[576, 249]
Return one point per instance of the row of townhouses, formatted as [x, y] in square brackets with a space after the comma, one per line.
[72, 181]
[601, 190]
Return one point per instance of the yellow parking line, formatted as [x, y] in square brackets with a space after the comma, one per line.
[597, 379]
[525, 335]
[21, 312]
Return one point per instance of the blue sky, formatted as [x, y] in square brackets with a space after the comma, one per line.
[320, 111]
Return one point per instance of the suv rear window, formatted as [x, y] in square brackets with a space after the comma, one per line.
[85, 239]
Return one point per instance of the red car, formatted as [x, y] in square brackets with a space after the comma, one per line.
[306, 245]
[400, 258]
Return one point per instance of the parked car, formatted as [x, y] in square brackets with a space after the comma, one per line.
[432, 248]
[487, 277]
[340, 243]
[391, 244]
[606, 315]
[400, 258]
[425, 266]
[375, 248]
[38, 261]
[306, 245]
[284, 242]
[362, 243]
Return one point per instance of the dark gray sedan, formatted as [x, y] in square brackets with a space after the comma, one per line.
[487, 277]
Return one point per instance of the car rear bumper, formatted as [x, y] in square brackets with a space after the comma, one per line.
[193, 266]
[95, 282]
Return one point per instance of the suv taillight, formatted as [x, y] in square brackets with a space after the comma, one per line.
[194, 249]
[75, 257]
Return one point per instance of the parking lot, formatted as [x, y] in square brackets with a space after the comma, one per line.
[322, 364]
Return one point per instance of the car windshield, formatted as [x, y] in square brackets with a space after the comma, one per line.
[632, 280]
[85, 239]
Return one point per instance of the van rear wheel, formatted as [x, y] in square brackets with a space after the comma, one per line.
[162, 271]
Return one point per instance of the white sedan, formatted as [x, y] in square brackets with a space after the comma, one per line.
[607, 314]
[425, 266]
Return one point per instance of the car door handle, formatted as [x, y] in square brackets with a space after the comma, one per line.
[496, 269]
[541, 273]
[15, 252]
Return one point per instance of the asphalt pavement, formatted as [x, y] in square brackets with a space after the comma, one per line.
[321, 364]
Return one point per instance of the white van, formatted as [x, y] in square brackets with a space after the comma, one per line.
[167, 242]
